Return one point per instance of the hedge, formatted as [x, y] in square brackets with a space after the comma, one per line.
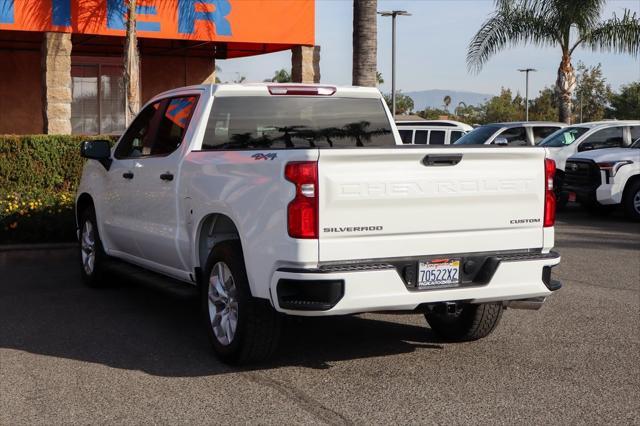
[38, 178]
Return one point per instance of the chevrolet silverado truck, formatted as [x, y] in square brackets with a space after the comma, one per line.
[604, 179]
[279, 200]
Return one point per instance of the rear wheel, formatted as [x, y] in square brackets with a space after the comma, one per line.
[468, 322]
[241, 328]
[631, 200]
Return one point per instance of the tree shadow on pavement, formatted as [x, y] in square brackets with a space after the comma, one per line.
[46, 310]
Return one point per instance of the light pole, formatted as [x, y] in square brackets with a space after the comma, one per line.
[393, 14]
[527, 71]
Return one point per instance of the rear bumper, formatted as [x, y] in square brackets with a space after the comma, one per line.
[380, 288]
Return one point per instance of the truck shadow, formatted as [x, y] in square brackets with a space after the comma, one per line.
[45, 310]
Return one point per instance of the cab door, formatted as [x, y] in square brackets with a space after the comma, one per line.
[157, 177]
[122, 220]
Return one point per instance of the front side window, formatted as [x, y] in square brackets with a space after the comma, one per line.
[606, 138]
[635, 133]
[138, 138]
[455, 135]
[268, 122]
[437, 137]
[563, 137]
[172, 124]
[515, 136]
[478, 136]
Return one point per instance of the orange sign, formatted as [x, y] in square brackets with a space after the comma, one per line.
[267, 22]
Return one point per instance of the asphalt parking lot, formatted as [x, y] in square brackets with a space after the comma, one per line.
[130, 354]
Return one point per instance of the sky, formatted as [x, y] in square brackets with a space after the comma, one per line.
[431, 50]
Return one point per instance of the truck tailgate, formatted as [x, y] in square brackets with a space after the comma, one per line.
[401, 202]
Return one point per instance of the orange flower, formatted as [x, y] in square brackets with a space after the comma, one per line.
[14, 225]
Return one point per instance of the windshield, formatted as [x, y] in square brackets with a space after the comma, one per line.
[259, 122]
[563, 137]
[477, 136]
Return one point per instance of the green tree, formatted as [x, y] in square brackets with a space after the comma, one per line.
[365, 42]
[625, 105]
[379, 78]
[404, 103]
[433, 113]
[553, 23]
[446, 101]
[592, 93]
[281, 76]
[545, 106]
[504, 107]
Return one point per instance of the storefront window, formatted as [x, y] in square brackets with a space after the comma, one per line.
[98, 105]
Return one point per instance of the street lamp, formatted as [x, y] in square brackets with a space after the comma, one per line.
[527, 71]
[393, 14]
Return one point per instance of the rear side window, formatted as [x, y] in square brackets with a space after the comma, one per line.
[406, 135]
[540, 133]
[635, 133]
[437, 137]
[271, 122]
[422, 137]
[172, 124]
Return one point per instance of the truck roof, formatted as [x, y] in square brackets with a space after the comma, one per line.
[263, 89]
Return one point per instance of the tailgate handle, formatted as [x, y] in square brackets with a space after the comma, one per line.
[441, 160]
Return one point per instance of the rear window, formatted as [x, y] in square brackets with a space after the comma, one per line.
[260, 122]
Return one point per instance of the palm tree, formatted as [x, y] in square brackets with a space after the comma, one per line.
[365, 35]
[131, 64]
[567, 24]
[446, 102]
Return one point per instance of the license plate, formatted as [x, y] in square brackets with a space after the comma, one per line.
[572, 197]
[439, 272]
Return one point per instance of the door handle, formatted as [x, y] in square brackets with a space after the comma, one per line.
[441, 160]
[127, 175]
[166, 176]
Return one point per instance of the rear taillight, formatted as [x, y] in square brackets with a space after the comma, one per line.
[549, 194]
[302, 212]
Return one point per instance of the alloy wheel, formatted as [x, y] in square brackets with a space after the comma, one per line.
[223, 303]
[88, 247]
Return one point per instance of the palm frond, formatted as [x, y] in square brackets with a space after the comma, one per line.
[619, 35]
[512, 24]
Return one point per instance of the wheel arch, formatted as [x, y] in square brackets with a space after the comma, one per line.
[84, 201]
[213, 229]
[628, 184]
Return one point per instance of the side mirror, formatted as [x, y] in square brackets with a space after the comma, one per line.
[501, 141]
[585, 146]
[97, 150]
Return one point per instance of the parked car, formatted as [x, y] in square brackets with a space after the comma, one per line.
[606, 178]
[585, 137]
[295, 199]
[517, 133]
[431, 132]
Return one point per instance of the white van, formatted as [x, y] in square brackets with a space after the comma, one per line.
[431, 132]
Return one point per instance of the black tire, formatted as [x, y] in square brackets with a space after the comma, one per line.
[630, 194]
[95, 276]
[472, 322]
[258, 325]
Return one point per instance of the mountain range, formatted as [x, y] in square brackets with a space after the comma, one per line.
[434, 98]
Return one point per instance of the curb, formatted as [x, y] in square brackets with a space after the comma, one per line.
[40, 246]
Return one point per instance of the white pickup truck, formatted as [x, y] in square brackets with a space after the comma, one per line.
[294, 199]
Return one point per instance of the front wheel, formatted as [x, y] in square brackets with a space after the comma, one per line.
[631, 201]
[468, 322]
[92, 255]
[241, 328]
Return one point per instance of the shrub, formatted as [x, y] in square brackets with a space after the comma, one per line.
[38, 178]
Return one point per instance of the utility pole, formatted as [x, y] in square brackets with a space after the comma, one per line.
[393, 14]
[527, 71]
